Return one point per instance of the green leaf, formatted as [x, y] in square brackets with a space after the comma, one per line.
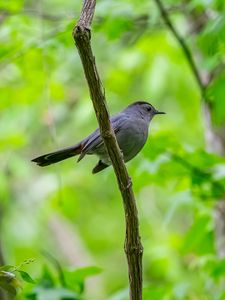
[216, 267]
[76, 278]
[26, 277]
[47, 279]
[57, 266]
[81, 273]
[7, 268]
[216, 94]
[199, 238]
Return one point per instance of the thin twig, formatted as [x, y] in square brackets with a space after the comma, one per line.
[183, 45]
[211, 137]
[133, 247]
[215, 140]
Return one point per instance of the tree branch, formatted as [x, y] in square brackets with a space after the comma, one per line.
[213, 140]
[183, 45]
[133, 247]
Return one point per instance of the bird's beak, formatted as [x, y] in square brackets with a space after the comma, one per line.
[159, 112]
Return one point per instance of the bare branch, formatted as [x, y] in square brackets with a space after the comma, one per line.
[133, 247]
[87, 13]
[183, 46]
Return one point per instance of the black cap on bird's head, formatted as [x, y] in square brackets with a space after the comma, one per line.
[144, 108]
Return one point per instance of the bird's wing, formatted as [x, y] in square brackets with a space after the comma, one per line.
[95, 140]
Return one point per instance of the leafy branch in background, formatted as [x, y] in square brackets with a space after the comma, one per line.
[187, 52]
[203, 79]
[207, 186]
[9, 280]
[55, 283]
[133, 246]
[215, 141]
[60, 283]
[202, 82]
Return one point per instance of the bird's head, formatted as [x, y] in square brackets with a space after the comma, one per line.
[143, 109]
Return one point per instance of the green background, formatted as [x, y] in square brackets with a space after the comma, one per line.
[78, 217]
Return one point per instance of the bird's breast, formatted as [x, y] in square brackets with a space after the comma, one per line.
[132, 137]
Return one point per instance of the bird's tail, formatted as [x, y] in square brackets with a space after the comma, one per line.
[54, 157]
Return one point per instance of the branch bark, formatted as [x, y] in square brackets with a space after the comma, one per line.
[133, 247]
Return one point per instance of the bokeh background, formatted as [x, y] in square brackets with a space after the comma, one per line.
[72, 222]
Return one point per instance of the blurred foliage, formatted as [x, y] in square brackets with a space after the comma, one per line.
[77, 217]
[9, 280]
[57, 285]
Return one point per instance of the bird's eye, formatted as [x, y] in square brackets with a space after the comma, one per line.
[149, 108]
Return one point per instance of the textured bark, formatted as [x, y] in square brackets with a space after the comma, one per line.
[133, 247]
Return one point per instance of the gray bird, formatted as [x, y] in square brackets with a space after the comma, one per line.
[131, 130]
